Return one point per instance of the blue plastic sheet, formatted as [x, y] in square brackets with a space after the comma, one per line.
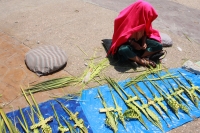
[47, 111]
[88, 106]
[91, 105]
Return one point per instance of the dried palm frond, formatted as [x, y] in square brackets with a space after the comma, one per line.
[61, 128]
[90, 73]
[179, 99]
[118, 109]
[188, 92]
[71, 128]
[131, 114]
[110, 116]
[128, 102]
[150, 102]
[146, 73]
[174, 105]
[157, 99]
[154, 118]
[31, 116]
[2, 126]
[8, 123]
[94, 70]
[192, 89]
[53, 84]
[42, 122]
[177, 94]
[23, 123]
[74, 116]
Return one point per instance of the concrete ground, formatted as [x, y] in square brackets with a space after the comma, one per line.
[80, 25]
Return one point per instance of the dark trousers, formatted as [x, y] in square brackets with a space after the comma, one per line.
[126, 51]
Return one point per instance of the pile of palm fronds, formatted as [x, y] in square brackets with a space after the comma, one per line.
[53, 84]
[90, 73]
[94, 70]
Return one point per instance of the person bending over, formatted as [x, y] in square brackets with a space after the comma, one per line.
[134, 39]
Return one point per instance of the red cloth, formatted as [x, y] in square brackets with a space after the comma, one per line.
[133, 18]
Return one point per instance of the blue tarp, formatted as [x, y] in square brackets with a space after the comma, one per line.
[88, 106]
[96, 119]
[47, 111]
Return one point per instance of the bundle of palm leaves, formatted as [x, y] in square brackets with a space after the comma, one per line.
[53, 84]
[90, 73]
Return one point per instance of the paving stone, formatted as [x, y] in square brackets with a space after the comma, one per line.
[9, 93]
[4, 55]
[15, 61]
[3, 70]
[14, 77]
[5, 46]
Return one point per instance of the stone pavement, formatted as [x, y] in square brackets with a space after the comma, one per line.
[80, 25]
[14, 75]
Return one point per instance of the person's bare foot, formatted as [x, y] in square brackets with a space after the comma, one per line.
[148, 63]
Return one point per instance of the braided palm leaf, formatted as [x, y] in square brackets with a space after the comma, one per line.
[61, 128]
[74, 116]
[180, 99]
[185, 109]
[150, 102]
[155, 100]
[42, 122]
[128, 103]
[118, 109]
[187, 91]
[136, 112]
[131, 99]
[175, 106]
[176, 93]
[131, 114]
[193, 87]
[71, 128]
[110, 116]
[109, 122]
[191, 93]
[172, 102]
[155, 120]
[31, 116]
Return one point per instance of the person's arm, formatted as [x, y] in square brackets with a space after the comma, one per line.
[137, 36]
[144, 45]
[135, 45]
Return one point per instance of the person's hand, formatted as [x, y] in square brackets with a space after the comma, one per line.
[144, 46]
[135, 45]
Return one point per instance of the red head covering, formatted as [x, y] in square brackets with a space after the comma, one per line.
[138, 16]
